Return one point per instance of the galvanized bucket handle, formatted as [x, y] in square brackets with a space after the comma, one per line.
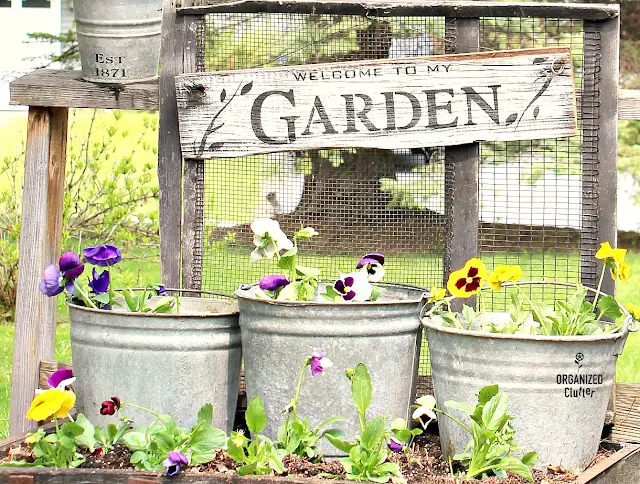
[629, 322]
[189, 291]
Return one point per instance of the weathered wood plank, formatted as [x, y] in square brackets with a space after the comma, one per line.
[461, 175]
[49, 87]
[408, 8]
[169, 154]
[628, 104]
[41, 229]
[388, 103]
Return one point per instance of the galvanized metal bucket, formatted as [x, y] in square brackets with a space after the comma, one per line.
[558, 387]
[277, 336]
[119, 40]
[169, 363]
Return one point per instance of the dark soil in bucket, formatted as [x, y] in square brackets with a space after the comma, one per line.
[423, 464]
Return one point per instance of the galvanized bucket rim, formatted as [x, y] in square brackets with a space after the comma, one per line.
[426, 322]
[630, 324]
[240, 293]
[129, 314]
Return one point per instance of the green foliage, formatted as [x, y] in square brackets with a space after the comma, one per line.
[62, 448]
[258, 456]
[367, 460]
[151, 445]
[493, 438]
[108, 193]
[64, 48]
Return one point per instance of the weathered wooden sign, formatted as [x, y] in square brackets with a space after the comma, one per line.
[389, 103]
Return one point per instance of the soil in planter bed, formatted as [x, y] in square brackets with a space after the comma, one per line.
[422, 465]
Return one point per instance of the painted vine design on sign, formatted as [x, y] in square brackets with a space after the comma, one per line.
[388, 104]
[212, 128]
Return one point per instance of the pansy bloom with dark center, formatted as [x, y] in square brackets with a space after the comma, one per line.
[353, 287]
[373, 263]
[110, 407]
[174, 463]
[467, 281]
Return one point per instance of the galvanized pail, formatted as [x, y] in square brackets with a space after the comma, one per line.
[119, 40]
[558, 387]
[277, 336]
[169, 363]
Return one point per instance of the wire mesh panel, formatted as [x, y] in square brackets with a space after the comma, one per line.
[359, 200]
[536, 198]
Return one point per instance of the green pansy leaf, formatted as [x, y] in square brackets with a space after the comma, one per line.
[205, 415]
[373, 433]
[487, 393]
[135, 440]
[337, 441]
[361, 390]
[609, 307]
[88, 437]
[255, 415]
[530, 458]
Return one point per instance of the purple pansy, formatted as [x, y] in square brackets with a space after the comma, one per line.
[319, 362]
[273, 282]
[62, 377]
[70, 265]
[99, 283]
[395, 446]
[373, 263]
[161, 290]
[174, 462]
[50, 283]
[102, 255]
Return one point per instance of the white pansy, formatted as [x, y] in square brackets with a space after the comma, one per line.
[268, 238]
[426, 405]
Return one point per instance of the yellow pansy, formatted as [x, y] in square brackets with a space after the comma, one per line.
[467, 281]
[51, 402]
[503, 274]
[622, 272]
[634, 310]
[437, 295]
[605, 251]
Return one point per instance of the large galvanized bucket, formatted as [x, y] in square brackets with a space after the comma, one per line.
[119, 40]
[169, 363]
[277, 336]
[558, 387]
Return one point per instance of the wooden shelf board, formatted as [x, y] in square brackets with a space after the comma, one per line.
[56, 88]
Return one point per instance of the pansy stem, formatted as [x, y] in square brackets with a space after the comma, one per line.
[294, 411]
[454, 419]
[126, 404]
[84, 295]
[595, 299]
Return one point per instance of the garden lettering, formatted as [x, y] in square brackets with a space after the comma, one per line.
[388, 104]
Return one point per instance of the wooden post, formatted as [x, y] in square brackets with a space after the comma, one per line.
[169, 153]
[608, 136]
[41, 230]
[461, 172]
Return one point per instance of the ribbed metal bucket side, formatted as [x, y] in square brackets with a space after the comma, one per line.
[169, 363]
[119, 41]
[558, 387]
[277, 336]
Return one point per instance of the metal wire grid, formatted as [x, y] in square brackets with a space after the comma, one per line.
[532, 209]
[362, 200]
[359, 200]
